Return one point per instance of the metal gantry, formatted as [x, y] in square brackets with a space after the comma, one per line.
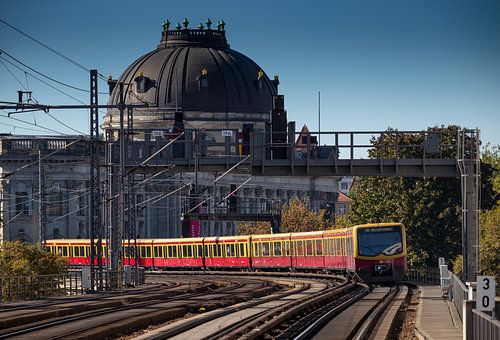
[95, 186]
[42, 207]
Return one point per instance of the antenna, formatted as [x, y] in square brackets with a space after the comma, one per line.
[319, 118]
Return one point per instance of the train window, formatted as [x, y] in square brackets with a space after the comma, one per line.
[230, 250]
[255, 250]
[59, 251]
[183, 252]
[189, 251]
[343, 247]
[170, 251]
[286, 248]
[71, 251]
[77, 251]
[300, 248]
[157, 251]
[242, 250]
[309, 247]
[218, 250]
[65, 251]
[277, 248]
[266, 251]
[319, 247]
[148, 251]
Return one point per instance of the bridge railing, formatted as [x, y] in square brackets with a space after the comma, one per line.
[232, 143]
[18, 288]
[459, 294]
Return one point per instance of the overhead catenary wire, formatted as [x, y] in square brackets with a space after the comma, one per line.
[22, 128]
[13, 75]
[50, 48]
[43, 81]
[46, 76]
[37, 125]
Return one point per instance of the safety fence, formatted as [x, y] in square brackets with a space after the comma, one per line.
[429, 275]
[35, 287]
[477, 325]
[21, 288]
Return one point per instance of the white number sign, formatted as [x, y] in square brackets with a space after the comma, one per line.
[485, 293]
[227, 133]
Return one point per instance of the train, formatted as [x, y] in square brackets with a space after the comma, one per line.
[376, 253]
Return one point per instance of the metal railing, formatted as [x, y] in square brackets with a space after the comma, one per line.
[19, 288]
[484, 327]
[459, 294]
[429, 275]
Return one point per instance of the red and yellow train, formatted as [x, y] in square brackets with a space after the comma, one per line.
[375, 252]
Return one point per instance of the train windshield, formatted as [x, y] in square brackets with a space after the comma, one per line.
[380, 241]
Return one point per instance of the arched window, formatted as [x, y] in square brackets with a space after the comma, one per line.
[203, 79]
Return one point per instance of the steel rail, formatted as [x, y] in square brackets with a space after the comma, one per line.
[369, 323]
[84, 315]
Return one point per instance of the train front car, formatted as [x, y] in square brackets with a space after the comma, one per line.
[380, 252]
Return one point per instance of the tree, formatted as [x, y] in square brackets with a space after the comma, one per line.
[490, 218]
[253, 228]
[23, 259]
[22, 264]
[295, 217]
[430, 207]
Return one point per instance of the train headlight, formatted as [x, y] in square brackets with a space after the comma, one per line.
[381, 268]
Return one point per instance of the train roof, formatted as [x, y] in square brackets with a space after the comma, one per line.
[308, 234]
[227, 238]
[375, 225]
[172, 240]
[272, 236]
[69, 240]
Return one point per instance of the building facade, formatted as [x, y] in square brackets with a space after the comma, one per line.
[191, 81]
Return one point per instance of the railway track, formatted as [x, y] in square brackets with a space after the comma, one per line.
[160, 305]
[234, 305]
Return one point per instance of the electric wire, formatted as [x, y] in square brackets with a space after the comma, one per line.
[66, 125]
[13, 75]
[21, 128]
[43, 81]
[50, 48]
[37, 125]
[46, 76]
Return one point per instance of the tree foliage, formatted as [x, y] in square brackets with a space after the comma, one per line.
[490, 218]
[23, 259]
[253, 228]
[430, 207]
[295, 217]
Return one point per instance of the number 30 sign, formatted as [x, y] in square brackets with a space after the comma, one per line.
[485, 293]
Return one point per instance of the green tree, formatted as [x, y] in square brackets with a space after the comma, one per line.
[490, 218]
[430, 207]
[24, 259]
[295, 217]
[253, 228]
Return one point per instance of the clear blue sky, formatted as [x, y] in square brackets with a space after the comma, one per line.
[402, 64]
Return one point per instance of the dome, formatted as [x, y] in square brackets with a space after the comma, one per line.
[195, 72]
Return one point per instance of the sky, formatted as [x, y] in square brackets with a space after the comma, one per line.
[403, 64]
